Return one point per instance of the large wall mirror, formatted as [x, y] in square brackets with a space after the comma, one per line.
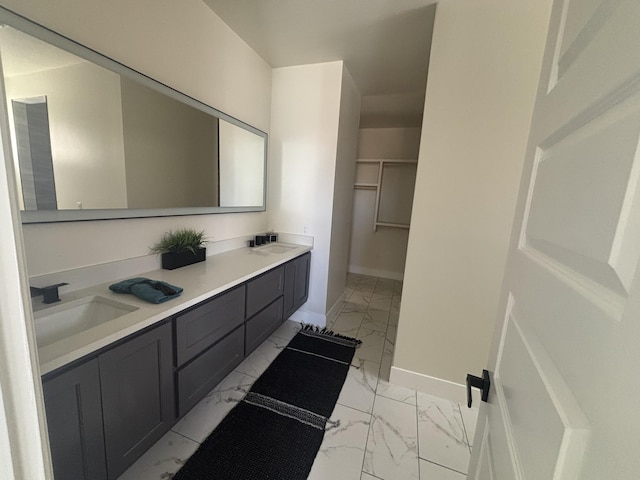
[93, 139]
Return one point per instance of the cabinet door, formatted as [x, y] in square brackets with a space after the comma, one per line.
[301, 292]
[289, 288]
[74, 418]
[137, 396]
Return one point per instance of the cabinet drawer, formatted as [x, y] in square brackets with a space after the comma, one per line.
[207, 323]
[262, 325]
[264, 290]
[205, 372]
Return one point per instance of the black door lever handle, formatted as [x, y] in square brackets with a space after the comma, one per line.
[482, 383]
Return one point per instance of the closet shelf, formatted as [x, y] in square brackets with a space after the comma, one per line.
[377, 186]
[395, 225]
[366, 186]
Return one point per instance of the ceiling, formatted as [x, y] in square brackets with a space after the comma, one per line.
[385, 45]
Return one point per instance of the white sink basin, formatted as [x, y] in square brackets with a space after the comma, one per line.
[61, 321]
[275, 248]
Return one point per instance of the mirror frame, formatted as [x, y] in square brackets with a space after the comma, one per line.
[43, 33]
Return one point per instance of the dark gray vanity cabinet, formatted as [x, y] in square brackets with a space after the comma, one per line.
[264, 307]
[296, 280]
[137, 395]
[74, 419]
[203, 325]
[209, 344]
[105, 412]
[262, 325]
[263, 290]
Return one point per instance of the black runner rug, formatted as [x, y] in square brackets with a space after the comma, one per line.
[276, 430]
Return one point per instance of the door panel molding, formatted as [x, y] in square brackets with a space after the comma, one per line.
[529, 388]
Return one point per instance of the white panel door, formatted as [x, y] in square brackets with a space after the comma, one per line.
[565, 362]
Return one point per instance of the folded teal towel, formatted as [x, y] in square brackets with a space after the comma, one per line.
[153, 291]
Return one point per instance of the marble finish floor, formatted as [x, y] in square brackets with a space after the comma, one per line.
[381, 431]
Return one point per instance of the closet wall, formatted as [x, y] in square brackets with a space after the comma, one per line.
[382, 252]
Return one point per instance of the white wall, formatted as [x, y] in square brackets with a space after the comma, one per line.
[184, 45]
[303, 145]
[393, 143]
[347, 150]
[485, 63]
[381, 253]
[88, 168]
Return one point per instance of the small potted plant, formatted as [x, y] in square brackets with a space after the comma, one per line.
[180, 248]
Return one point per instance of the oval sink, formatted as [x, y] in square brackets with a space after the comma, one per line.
[55, 323]
[276, 248]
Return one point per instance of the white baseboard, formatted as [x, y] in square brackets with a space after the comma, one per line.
[372, 272]
[311, 318]
[438, 387]
[333, 312]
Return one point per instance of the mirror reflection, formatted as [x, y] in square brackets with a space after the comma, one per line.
[85, 137]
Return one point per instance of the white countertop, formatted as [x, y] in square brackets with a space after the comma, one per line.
[199, 281]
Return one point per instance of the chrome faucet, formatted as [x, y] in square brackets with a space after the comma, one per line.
[49, 294]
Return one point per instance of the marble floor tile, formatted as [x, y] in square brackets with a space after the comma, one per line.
[342, 451]
[162, 460]
[392, 445]
[335, 311]
[441, 432]
[354, 275]
[351, 307]
[366, 476]
[382, 296]
[385, 282]
[431, 471]
[376, 319]
[372, 345]
[368, 280]
[287, 330]
[396, 392]
[386, 291]
[392, 333]
[365, 289]
[389, 347]
[209, 412]
[470, 419]
[393, 318]
[397, 286]
[361, 298]
[385, 367]
[256, 363]
[380, 302]
[359, 388]
[348, 323]
[395, 305]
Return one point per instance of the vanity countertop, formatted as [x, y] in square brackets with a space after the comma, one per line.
[199, 281]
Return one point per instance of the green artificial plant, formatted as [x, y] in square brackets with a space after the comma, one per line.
[182, 240]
